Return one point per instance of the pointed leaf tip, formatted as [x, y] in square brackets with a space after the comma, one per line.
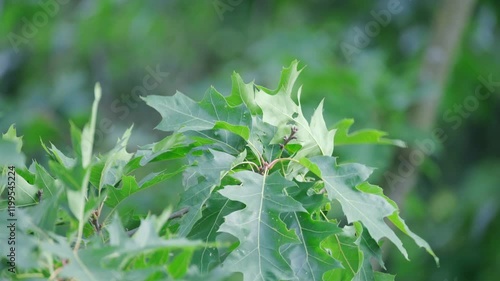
[97, 91]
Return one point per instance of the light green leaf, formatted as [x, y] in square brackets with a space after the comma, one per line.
[180, 263]
[287, 79]
[242, 131]
[89, 130]
[380, 276]
[10, 149]
[45, 214]
[279, 110]
[367, 136]
[11, 135]
[145, 239]
[76, 203]
[242, 92]
[83, 265]
[116, 195]
[115, 161]
[397, 220]
[26, 193]
[67, 162]
[370, 209]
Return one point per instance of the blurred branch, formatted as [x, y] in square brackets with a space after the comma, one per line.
[446, 33]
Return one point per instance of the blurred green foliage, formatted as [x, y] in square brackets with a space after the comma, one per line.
[47, 78]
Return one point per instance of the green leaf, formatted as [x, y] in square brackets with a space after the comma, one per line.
[180, 113]
[370, 248]
[25, 193]
[116, 195]
[180, 264]
[242, 131]
[258, 226]
[343, 137]
[287, 79]
[82, 265]
[200, 181]
[343, 248]
[309, 260]
[218, 140]
[11, 135]
[67, 162]
[242, 92]
[370, 209]
[145, 239]
[10, 149]
[206, 229]
[112, 261]
[174, 146]
[279, 110]
[45, 214]
[397, 220]
[380, 276]
[261, 138]
[130, 186]
[114, 162]
[89, 130]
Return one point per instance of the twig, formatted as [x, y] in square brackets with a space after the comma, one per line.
[174, 215]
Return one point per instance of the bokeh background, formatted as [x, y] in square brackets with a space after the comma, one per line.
[410, 68]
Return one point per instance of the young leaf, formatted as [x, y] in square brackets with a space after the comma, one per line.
[242, 92]
[89, 130]
[114, 162]
[279, 109]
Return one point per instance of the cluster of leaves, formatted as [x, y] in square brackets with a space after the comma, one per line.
[259, 180]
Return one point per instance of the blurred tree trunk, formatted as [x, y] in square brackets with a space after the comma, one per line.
[446, 33]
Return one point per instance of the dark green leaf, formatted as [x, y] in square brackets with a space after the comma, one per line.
[258, 226]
